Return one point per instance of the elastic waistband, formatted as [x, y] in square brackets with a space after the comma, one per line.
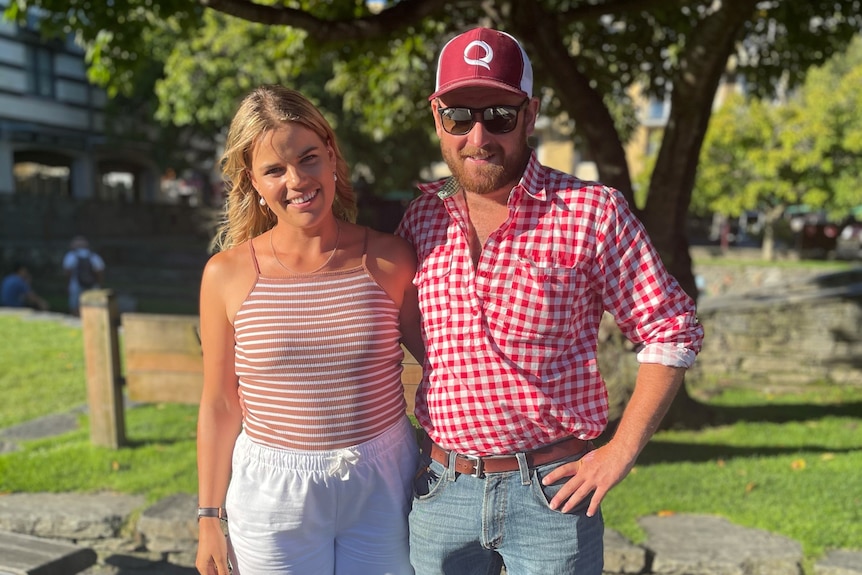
[321, 460]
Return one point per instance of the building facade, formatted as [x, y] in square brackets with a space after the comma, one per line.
[53, 137]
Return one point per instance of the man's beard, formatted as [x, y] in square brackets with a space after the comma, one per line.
[487, 178]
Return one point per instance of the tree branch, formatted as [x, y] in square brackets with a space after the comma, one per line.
[379, 25]
[584, 104]
[402, 15]
[612, 7]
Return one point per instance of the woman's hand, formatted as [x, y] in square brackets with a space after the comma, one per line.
[212, 548]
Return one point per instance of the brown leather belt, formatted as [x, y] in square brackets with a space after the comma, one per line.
[479, 466]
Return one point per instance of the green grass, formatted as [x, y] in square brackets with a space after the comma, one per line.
[41, 369]
[791, 465]
[729, 261]
[159, 461]
[788, 464]
[42, 372]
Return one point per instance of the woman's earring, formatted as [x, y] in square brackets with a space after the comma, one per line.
[261, 201]
[335, 176]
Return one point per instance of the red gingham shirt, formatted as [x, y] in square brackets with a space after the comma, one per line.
[511, 343]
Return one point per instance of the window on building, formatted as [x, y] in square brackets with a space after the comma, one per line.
[656, 110]
[37, 179]
[40, 71]
[119, 186]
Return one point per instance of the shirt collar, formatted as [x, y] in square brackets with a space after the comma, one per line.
[533, 179]
[532, 182]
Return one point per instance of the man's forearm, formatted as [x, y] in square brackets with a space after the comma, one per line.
[655, 388]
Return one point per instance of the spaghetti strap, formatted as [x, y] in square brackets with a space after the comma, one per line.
[254, 256]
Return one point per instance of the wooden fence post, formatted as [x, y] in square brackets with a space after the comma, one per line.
[100, 319]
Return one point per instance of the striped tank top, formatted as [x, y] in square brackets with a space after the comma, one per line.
[318, 359]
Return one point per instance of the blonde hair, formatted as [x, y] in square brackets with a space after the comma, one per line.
[263, 110]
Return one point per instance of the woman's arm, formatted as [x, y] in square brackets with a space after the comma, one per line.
[219, 415]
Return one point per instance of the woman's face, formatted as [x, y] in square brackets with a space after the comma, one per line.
[294, 171]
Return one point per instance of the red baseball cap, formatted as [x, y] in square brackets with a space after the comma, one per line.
[484, 57]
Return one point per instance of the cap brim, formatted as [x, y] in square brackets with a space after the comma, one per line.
[477, 83]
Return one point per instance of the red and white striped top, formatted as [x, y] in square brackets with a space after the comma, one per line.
[319, 360]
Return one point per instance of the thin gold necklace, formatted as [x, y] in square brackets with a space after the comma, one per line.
[323, 265]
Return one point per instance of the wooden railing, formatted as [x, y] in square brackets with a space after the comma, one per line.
[160, 362]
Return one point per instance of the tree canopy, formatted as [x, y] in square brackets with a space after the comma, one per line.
[374, 63]
[805, 149]
[378, 59]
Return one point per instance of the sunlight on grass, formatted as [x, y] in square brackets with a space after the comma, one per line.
[788, 494]
[787, 463]
[49, 357]
[797, 462]
[159, 461]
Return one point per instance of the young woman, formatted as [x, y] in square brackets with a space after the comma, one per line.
[303, 439]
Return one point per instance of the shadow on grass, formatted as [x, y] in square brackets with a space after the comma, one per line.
[658, 451]
[784, 413]
[137, 443]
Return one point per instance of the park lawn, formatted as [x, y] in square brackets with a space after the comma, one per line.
[789, 464]
[41, 368]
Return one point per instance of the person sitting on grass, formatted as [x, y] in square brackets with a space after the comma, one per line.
[17, 291]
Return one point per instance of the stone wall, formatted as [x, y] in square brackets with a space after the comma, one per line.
[780, 329]
[770, 327]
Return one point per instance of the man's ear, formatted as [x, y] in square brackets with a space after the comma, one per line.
[435, 105]
[531, 114]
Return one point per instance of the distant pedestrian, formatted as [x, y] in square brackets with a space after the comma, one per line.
[16, 290]
[85, 270]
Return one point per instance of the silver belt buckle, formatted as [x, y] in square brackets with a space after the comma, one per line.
[479, 465]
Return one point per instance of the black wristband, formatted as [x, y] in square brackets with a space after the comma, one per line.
[211, 512]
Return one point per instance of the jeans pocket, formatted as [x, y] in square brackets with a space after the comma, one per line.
[547, 492]
[429, 480]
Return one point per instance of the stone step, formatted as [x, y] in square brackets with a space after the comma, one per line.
[161, 539]
[29, 555]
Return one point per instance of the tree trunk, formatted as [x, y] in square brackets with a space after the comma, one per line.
[703, 64]
[694, 89]
[538, 30]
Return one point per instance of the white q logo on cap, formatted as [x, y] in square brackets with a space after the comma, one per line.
[484, 60]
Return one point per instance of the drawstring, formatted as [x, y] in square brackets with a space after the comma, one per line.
[341, 464]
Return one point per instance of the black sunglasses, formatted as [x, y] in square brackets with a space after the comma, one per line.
[496, 119]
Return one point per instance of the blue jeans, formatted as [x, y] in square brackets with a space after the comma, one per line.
[464, 525]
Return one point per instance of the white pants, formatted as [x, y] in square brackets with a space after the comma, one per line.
[339, 512]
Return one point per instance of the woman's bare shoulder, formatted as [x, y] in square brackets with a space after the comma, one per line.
[226, 263]
[229, 275]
